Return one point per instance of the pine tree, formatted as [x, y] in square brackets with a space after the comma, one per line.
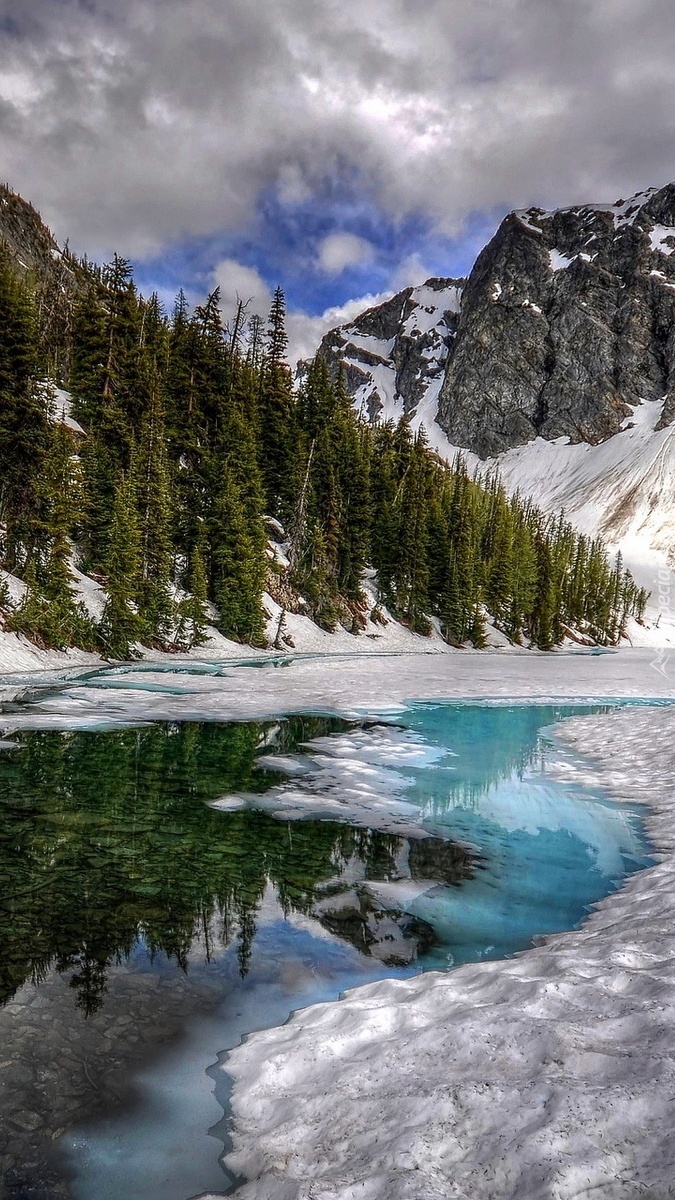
[237, 566]
[152, 486]
[192, 611]
[121, 624]
[24, 426]
[113, 333]
[544, 612]
[278, 427]
[384, 520]
[411, 579]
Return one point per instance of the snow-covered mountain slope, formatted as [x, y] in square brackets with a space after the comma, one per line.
[554, 363]
[394, 356]
[622, 490]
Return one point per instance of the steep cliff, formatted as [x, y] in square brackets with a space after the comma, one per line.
[568, 320]
[55, 274]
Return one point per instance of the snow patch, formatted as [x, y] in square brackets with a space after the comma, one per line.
[659, 236]
[559, 261]
[62, 411]
[526, 217]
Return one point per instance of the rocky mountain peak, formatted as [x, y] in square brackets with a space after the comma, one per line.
[566, 322]
[394, 354]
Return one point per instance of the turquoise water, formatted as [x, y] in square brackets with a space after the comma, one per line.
[548, 851]
[178, 928]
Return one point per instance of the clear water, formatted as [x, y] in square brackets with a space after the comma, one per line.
[144, 932]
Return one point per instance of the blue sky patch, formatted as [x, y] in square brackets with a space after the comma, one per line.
[284, 242]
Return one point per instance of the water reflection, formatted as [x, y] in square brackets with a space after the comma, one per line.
[105, 839]
[127, 899]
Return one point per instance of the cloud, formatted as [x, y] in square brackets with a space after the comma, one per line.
[136, 123]
[341, 250]
[305, 331]
[410, 272]
[240, 283]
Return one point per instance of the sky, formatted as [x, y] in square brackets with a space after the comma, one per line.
[341, 148]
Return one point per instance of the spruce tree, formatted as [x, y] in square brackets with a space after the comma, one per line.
[411, 578]
[25, 431]
[237, 565]
[278, 426]
[192, 610]
[150, 470]
[121, 624]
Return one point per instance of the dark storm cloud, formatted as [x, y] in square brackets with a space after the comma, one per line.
[136, 122]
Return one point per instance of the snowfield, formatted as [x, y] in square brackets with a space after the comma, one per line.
[348, 685]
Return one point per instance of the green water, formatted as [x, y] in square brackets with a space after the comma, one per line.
[106, 839]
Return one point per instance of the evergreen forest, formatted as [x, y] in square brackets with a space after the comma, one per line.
[189, 444]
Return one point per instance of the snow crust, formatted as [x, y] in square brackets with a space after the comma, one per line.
[349, 685]
[357, 777]
[546, 1076]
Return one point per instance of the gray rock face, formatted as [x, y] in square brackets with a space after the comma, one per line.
[392, 354]
[567, 319]
[30, 243]
[55, 274]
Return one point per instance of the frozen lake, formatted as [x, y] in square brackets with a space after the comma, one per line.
[173, 886]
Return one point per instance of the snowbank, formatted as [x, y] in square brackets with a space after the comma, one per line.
[17, 654]
[549, 1075]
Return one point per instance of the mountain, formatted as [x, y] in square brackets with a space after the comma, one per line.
[394, 356]
[567, 322]
[56, 275]
[149, 494]
[554, 361]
